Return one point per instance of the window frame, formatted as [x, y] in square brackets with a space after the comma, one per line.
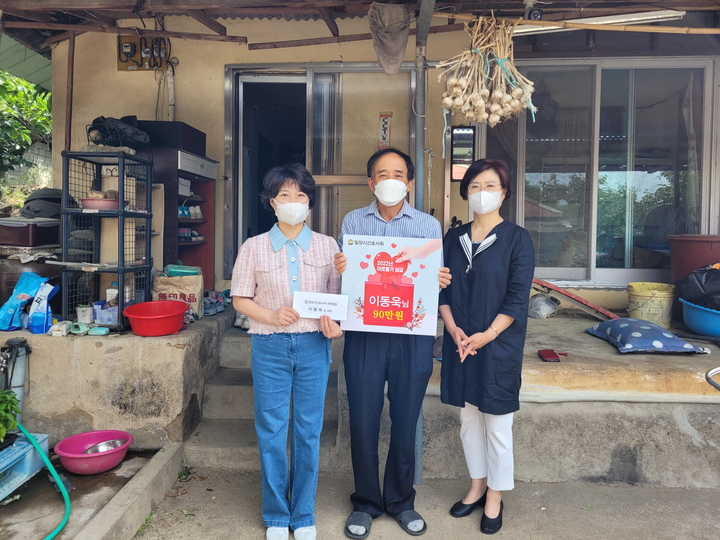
[710, 166]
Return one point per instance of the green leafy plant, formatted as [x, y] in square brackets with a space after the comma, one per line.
[25, 118]
[9, 409]
[146, 524]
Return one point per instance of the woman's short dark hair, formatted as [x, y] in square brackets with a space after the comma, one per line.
[482, 165]
[295, 174]
[380, 153]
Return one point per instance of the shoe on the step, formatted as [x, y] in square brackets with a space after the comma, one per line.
[277, 533]
[241, 321]
[305, 533]
[218, 299]
[209, 306]
[198, 212]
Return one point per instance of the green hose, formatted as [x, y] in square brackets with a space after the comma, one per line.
[59, 482]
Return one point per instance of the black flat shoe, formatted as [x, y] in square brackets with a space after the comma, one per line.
[491, 525]
[460, 509]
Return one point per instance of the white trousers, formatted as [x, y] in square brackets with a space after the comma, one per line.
[487, 441]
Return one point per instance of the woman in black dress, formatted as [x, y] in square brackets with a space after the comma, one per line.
[485, 314]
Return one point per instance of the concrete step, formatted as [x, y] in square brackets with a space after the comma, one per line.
[229, 395]
[235, 348]
[232, 444]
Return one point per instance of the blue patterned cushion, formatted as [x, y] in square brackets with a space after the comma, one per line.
[636, 335]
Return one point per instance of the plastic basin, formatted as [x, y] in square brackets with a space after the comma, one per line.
[100, 204]
[701, 320]
[156, 318]
[71, 451]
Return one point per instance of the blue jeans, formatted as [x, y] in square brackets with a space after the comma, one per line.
[286, 366]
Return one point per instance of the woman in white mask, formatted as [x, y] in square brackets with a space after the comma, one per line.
[290, 355]
[485, 314]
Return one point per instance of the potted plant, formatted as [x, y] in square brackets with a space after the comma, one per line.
[9, 409]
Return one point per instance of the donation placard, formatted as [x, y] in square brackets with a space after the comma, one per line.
[387, 293]
[312, 305]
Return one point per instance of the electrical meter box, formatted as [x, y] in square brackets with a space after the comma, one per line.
[142, 53]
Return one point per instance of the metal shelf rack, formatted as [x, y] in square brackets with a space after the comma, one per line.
[104, 245]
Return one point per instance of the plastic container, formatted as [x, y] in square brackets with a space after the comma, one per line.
[173, 270]
[689, 252]
[701, 320]
[20, 462]
[100, 204]
[71, 451]
[85, 314]
[112, 291]
[107, 316]
[157, 318]
[651, 302]
[28, 232]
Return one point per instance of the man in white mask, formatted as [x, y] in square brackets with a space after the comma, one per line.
[372, 359]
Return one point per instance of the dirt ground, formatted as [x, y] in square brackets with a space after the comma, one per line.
[220, 504]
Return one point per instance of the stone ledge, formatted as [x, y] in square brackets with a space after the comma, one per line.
[596, 371]
[151, 387]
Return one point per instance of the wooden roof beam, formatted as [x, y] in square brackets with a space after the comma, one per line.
[203, 18]
[61, 37]
[345, 39]
[326, 15]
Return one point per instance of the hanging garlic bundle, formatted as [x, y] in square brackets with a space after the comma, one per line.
[482, 82]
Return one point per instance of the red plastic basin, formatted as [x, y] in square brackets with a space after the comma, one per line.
[157, 318]
[74, 460]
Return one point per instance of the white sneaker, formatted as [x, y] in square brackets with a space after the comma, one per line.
[198, 212]
[241, 321]
[276, 533]
[305, 533]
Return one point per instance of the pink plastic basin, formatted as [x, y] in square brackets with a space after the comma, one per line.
[74, 460]
[100, 204]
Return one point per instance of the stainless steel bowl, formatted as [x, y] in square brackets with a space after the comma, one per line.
[105, 446]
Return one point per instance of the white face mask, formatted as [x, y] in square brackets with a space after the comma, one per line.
[390, 192]
[484, 202]
[291, 213]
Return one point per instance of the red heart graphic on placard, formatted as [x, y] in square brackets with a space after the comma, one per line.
[414, 274]
[393, 246]
[364, 265]
[368, 256]
[422, 267]
[388, 266]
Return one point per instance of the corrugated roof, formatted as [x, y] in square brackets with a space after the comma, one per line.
[23, 62]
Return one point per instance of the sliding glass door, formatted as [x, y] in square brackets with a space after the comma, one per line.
[649, 165]
[610, 165]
